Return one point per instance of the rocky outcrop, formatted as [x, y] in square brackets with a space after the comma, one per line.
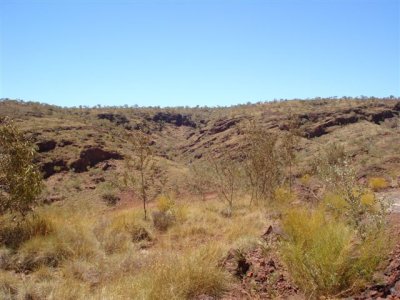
[45, 146]
[118, 119]
[222, 125]
[91, 156]
[175, 119]
[317, 124]
[64, 143]
[52, 167]
[381, 116]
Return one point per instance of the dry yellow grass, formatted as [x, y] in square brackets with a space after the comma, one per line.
[377, 183]
[324, 254]
[96, 253]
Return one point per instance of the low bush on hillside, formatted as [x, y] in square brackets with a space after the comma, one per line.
[110, 198]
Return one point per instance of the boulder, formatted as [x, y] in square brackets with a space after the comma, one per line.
[91, 156]
[114, 118]
[45, 146]
[52, 167]
[175, 119]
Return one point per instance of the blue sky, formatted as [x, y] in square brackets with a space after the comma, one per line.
[197, 52]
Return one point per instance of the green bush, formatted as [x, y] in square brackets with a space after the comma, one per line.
[20, 179]
[326, 256]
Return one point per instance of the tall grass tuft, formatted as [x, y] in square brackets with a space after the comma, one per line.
[325, 255]
[182, 276]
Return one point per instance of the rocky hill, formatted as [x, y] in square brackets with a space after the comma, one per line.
[89, 240]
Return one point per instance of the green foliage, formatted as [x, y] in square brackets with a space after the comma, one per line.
[335, 170]
[266, 158]
[326, 256]
[20, 179]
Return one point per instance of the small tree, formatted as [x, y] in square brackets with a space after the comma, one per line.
[263, 164]
[20, 179]
[141, 170]
[227, 174]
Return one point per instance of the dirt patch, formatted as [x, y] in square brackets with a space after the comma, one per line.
[260, 275]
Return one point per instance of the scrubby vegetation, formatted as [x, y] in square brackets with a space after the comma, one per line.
[219, 203]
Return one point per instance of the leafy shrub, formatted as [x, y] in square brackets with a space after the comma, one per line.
[269, 159]
[326, 256]
[377, 183]
[20, 179]
[334, 169]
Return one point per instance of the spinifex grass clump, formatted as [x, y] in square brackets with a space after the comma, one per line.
[184, 276]
[377, 183]
[325, 255]
[338, 244]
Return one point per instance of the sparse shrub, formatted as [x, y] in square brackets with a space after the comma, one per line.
[268, 161]
[110, 199]
[20, 179]
[144, 164]
[377, 183]
[326, 256]
[228, 175]
[163, 219]
[263, 167]
[334, 169]
[199, 180]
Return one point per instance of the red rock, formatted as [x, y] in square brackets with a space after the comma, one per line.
[397, 287]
